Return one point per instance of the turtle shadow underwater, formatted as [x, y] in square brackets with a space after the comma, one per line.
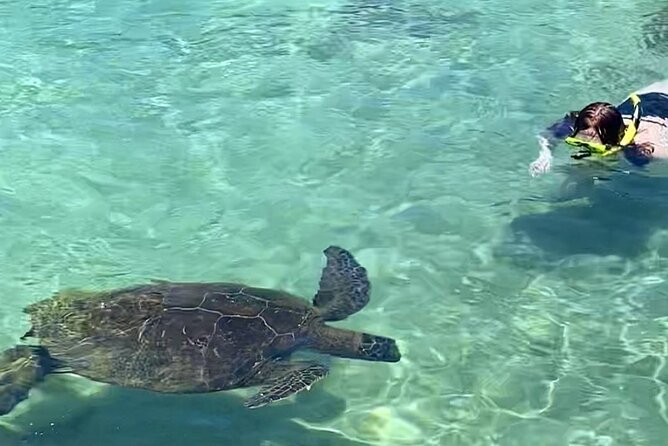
[616, 217]
[120, 416]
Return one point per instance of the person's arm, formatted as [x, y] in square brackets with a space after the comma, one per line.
[547, 139]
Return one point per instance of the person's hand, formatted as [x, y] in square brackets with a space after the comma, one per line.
[543, 163]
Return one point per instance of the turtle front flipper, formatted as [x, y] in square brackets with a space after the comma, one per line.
[285, 381]
[344, 286]
[21, 368]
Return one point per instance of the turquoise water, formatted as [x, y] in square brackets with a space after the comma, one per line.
[220, 140]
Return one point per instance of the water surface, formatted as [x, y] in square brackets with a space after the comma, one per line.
[220, 140]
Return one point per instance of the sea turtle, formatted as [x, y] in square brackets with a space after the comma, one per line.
[195, 337]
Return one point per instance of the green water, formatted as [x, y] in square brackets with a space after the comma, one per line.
[220, 140]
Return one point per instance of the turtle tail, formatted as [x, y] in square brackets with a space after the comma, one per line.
[21, 367]
[344, 286]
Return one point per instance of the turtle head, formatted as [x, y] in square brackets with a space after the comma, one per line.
[354, 344]
[378, 348]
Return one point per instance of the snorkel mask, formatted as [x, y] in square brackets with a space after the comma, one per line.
[588, 148]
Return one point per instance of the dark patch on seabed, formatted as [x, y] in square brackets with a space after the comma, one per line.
[414, 19]
[655, 30]
[373, 19]
[617, 217]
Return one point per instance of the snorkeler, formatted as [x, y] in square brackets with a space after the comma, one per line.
[636, 129]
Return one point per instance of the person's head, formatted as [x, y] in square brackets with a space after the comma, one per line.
[599, 122]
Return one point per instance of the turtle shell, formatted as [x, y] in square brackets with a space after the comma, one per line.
[172, 337]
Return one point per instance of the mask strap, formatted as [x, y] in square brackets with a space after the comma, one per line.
[632, 129]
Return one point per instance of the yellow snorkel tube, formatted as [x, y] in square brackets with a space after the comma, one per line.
[604, 150]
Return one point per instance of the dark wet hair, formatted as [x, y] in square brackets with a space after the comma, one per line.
[600, 119]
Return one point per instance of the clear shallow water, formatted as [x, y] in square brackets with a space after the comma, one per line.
[226, 141]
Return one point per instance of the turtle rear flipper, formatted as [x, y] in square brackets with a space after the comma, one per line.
[21, 368]
[344, 286]
[298, 377]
